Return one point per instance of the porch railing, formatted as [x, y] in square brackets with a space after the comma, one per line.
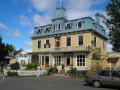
[70, 48]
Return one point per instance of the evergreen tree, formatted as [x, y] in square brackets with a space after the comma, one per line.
[5, 49]
[113, 23]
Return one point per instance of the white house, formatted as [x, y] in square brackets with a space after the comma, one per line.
[22, 57]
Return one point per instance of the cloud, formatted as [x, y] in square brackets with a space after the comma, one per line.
[3, 26]
[28, 50]
[28, 43]
[43, 5]
[17, 33]
[24, 20]
[41, 20]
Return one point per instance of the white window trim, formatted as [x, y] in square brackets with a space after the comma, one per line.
[81, 22]
[54, 59]
[85, 60]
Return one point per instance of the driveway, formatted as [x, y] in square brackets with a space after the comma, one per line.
[47, 83]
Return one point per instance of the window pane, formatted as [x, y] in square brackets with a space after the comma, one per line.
[80, 40]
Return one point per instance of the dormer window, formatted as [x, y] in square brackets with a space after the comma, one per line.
[68, 26]
[79, 24]
[39, 31]
[47, 29]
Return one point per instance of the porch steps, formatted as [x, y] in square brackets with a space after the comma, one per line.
[62, 71]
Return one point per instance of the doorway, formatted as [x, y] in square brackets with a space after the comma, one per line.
[46, 61]
[68, 61]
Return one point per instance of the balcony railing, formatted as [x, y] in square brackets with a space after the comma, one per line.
[72, 48]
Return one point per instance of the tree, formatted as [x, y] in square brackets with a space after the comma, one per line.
[5, 49]
[113, 23]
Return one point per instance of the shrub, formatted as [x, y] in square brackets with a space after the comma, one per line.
[81, 73]
[52, 70]
[72, 71]
[12, 73]
[31, 66]
[90, 72]
[1, 70]
[15, 66]
[63, 67]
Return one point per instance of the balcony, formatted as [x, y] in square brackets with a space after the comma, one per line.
[72, 48]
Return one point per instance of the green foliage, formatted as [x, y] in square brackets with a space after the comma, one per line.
[90, 72]
[72, 71]
[12, 73]
[31, 66]
[52, 70]
[113, 23]
[15, 66]
[63, 66]
[5, 49]
[1, 70]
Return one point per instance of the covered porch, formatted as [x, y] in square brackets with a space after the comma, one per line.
[113, 62]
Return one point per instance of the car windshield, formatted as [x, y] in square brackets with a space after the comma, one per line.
[115, 74]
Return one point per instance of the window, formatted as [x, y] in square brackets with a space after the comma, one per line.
[115, 74]
[95, 40]
[81, 60]
[47, 44]
[25, 55]
[80, 41]
[54, 27]
[39, 44]
[79, 24]
[68, 26]
[68, 41]
[59, 26]
[104, 73]
[57, 60]
[22, 62]
[47, 29]
[39, 31]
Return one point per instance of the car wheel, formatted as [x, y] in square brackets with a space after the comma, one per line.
[96, 84]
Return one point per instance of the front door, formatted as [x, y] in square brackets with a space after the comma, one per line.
[47, 62]
[68, 61]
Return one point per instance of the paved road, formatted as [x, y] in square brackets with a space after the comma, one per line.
[47, 83]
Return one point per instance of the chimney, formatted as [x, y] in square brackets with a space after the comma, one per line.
[97, 18]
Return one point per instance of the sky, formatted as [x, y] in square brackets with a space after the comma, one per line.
[19, 17]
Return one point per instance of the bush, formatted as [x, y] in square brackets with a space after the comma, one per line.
[15, 66]
[12, 73]
[90, 72]
[31, 66]
[1, 70]
[63, 66]
[81, 73]
[72, 71]
[52, 70]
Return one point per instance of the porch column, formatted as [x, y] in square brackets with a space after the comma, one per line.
[30, 57]
[39, 59]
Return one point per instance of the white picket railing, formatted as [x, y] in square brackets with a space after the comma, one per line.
[27, 72]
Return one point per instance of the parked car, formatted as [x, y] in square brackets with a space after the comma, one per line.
[104, 77]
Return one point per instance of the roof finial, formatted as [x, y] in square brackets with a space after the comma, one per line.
[61, 3]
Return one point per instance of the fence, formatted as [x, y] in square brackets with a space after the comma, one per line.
[27, 72]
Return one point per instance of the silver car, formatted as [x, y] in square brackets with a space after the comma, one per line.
[104, 77]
